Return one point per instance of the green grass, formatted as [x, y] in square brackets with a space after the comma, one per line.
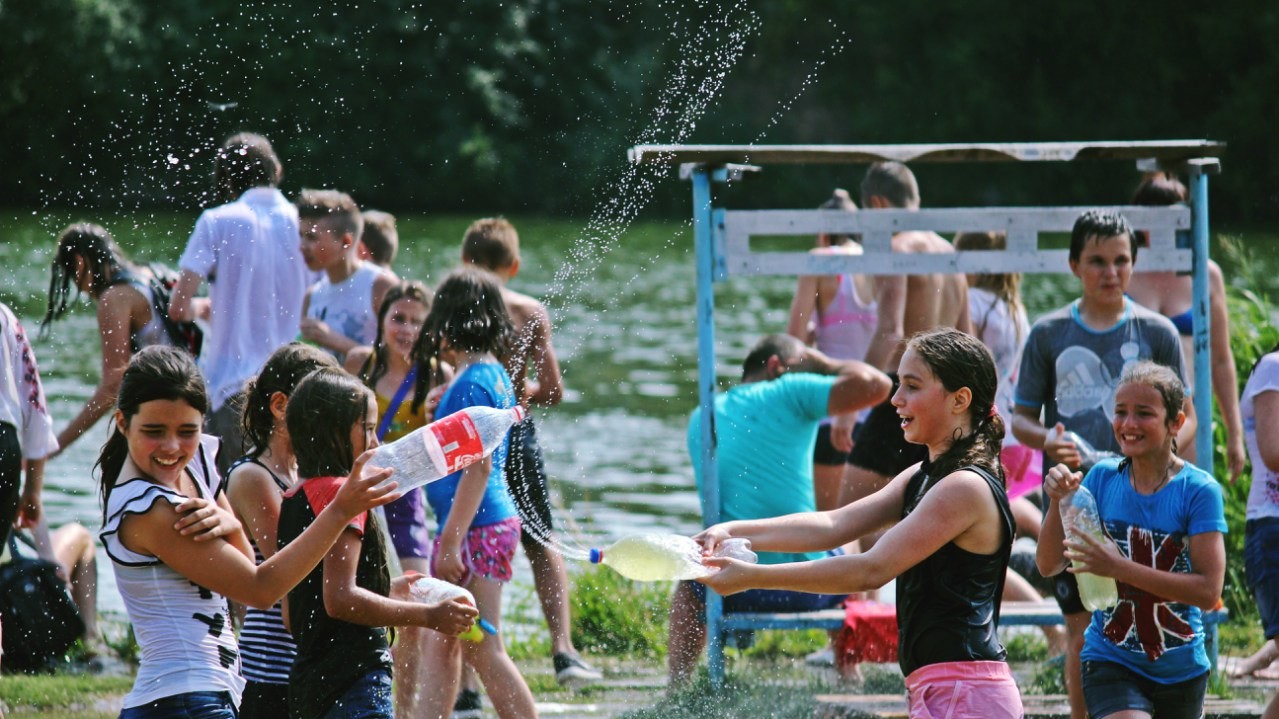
[1027, 648]
[59, 690]
[744, 694]
[613, 615]
[778, 644]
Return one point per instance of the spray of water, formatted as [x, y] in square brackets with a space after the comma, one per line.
[708, 53]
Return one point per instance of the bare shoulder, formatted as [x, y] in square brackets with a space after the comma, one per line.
[920, 241]
[523, 308]
[356, 358]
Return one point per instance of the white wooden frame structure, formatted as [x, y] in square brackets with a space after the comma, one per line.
[723, 248]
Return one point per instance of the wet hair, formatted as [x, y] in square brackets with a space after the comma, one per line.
[154, 373]
[102, 256]
[281, 373]
[491, 243]
[1095, 225]
[1164, 381]
[322, 409]
[1006, 285]
[380, 236]
[782, 346]
[1157, 189]
[957, 360]
[343, 214]
[892, 181]
[468, 311]
[245, 160]
[840, 200]
[375, 367]
[1159, 378]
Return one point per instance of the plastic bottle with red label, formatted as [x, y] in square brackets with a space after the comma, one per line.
[446, 445]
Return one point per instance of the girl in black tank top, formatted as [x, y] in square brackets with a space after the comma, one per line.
[949, 547]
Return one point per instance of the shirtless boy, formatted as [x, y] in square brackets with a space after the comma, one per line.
[906, 304]
[493, 244]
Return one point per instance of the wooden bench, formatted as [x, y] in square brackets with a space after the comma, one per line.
[1012, 614]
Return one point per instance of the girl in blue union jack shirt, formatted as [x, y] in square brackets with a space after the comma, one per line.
[1145, 656]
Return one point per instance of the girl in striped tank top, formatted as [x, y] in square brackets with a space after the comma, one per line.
[255, 485]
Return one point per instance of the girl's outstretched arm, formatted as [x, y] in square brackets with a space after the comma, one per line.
[115, 318]
[816, 531]
[958, 508]
[348, 602]
[222, 566]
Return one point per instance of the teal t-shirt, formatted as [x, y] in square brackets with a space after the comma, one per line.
[766, 432]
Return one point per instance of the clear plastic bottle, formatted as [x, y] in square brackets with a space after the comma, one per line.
[1088, 454]
[1079, 517]
[446, 445]
[429, 590]
[658, 557]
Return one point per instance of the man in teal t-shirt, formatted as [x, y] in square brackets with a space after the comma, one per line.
[766, 427]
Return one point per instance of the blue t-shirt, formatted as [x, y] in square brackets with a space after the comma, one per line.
[484, 384]
[765, 436]
[1159, 639]
[1072, 370]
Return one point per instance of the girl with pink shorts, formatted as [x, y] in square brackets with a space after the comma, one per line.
[949, 547]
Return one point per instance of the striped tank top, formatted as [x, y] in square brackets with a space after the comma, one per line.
[266, 647]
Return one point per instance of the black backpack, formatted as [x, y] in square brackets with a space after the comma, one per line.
[40, 621]
[184, 335]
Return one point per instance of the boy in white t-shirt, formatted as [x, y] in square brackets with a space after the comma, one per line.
[247, 249]
[339, 312]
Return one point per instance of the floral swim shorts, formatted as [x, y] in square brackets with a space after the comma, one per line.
[488, 551]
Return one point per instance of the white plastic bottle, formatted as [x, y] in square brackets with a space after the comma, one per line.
[429, 590]
[1079, 517]
[446, 445]
[658, 557]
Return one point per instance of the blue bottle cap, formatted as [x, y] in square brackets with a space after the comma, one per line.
[486, 627]
[597, 556]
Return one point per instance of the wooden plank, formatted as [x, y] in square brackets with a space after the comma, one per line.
[941, 219]
[1164, 150]
[972, 261]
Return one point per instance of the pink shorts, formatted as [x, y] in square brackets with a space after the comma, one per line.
[1023, 469]
[488, 551]
[964, 690]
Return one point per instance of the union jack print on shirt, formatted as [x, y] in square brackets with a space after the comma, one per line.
[1142, 621]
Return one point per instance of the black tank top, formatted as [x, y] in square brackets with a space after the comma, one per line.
[948, 604]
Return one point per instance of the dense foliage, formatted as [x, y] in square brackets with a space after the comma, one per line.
[529, 105]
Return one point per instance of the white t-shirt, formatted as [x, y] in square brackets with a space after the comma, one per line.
[184, 631]
[1004, 333]
[1263, 498]
[21, 394]
[249, 252]
[347, 307]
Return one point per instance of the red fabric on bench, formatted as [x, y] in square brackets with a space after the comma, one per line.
[869, 634]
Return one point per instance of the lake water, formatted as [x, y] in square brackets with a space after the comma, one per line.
[624, 329]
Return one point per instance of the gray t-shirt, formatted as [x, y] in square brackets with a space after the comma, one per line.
[1072, 371]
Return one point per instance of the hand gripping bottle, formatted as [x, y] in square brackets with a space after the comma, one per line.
[429, 590]
[446, 445]
[1079, 517]
[656, 557]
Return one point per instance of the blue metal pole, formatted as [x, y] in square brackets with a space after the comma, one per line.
[1202, 343]
[705, 258]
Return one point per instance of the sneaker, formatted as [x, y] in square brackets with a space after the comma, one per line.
[572, 672]
[468, 705]
[821, 658]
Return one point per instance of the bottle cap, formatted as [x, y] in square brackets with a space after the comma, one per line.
[486, 626]
[597, 556]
